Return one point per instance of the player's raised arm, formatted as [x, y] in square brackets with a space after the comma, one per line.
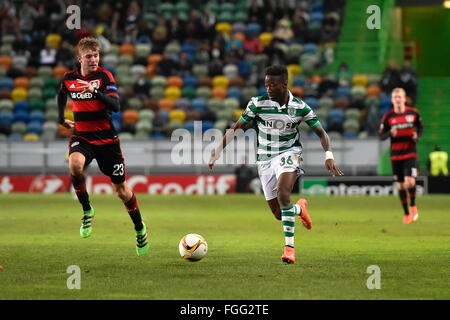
[229, 135]
[330, 164]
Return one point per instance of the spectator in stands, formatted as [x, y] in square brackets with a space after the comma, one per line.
[176, 28]
[167, 66]
[9, 24]
[255, 10]
[408, 80]
[48, 55]
[327, 86]
[208, 21]
[311, 88]
[84, 31]
[300, 26]
[160, 35]
[104, 12]
[131, 22]
[283, 31]
[184, 65]
[65, 55]
[27, 14]
[391, 78]
[344, 76]
[141, 87]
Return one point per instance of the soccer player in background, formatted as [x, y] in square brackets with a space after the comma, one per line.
[278, 115]
[94, 94]
[400, 124]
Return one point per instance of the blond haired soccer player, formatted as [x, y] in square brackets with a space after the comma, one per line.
[94, 94]
[400, 124]
[278, 115]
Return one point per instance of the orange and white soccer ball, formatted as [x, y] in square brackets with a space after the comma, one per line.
[193, 247]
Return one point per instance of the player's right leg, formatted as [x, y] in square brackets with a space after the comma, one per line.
[77, 161]
[399, 176]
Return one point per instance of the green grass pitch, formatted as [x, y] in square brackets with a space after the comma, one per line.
[39, 240]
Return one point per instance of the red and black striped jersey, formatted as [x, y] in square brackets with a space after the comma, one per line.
[402, 145]
[93, 121]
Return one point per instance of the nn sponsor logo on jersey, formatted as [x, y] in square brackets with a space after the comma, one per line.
[79, 95]
[279, 124]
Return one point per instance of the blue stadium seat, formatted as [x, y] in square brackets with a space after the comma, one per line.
[37, 115]
[6, 117]
[189, 125]
[7, 83]
[157, 135]
[15, 137]
[34, 127]
[253, 29]
[188, 48]
[22, 105]
[199, 105]
[312, 102]
[310, 48]
[343, 92]
[207, 125]
[21, 116]
[262, 91]
[117, 124]
[234, 92]
[190, 81]
[298, 81]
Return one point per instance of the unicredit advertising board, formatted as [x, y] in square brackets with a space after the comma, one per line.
[99, 184]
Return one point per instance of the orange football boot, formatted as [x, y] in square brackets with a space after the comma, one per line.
[304, 216]
[407, 218]
[414, 214]
[289, 255]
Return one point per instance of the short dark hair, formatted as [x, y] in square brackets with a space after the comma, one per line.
[277, 70]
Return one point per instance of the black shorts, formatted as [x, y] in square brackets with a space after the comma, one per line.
[109, 157]
[404, 168]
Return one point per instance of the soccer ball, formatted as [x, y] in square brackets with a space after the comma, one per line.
[193, 247]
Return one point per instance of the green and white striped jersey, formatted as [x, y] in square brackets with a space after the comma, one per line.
[278, 126]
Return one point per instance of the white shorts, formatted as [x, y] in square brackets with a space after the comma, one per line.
[269, 171]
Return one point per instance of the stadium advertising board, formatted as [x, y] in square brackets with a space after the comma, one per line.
[356, 186]
[99, 184]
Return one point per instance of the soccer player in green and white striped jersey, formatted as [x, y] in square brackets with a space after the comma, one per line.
[278, 115]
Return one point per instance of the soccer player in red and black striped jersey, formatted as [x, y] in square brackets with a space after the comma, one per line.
[94, 95]
[404, 126]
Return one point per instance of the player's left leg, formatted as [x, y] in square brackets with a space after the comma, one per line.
[131, 204]
[288, 211]
[410, 183]
[111, 162]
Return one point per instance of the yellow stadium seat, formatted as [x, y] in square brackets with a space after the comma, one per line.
[54, 40]
[360, 80]
[31, 137]
[172, 93]
[266, 38]
[294, 70]
[18, 94]
[177, 115]
[220, 82]
[237, 114]
[224, 27]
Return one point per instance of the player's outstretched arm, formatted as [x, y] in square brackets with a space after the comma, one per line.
[330, 164]
[226, 139]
